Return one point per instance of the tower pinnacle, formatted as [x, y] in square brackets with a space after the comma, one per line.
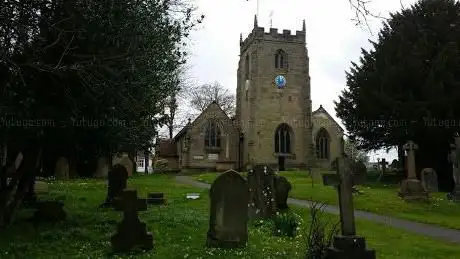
[255, 21]
[304, 28]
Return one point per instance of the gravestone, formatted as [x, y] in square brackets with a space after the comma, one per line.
[411, 187]
[131, 232]
[124, 161]
[61, 171]
[51, 211]
[228, 212]
[348, 244]
[261, 184]
[383, 167]
[429, 179]
[117, 182]
[102, 168]
[282, 189]
[454, 159]
[156, 198]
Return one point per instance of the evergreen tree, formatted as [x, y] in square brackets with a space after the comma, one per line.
[407, 86]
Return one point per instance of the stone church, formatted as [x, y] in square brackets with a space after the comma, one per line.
[274, 123]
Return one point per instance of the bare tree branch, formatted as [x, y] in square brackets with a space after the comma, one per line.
[363, 12]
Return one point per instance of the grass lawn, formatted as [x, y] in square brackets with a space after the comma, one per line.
[376, 197]
[179, 229]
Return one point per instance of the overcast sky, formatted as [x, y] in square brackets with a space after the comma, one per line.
[333, 40]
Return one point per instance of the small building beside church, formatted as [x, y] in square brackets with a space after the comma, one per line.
[274, 123]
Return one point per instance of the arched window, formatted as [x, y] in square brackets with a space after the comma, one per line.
[281, 59]
[246, 68]
[212, 135]
[283, 139]
[322, 144]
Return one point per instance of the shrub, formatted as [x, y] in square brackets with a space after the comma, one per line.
[319, 236]
[286, 224]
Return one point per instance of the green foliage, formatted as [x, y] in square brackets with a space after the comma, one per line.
[320, 233]
[98, 71]
[406, 87]
[286, 223]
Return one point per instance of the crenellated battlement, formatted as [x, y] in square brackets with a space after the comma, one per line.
[258, 33]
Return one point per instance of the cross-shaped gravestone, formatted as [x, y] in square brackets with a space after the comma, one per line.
[410, 148]
[344, 181]
[346, 245]
[412, 188]
[131, 231]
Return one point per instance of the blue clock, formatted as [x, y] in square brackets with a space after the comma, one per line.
[280, 81]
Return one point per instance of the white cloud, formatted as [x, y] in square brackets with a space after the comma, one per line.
[333, 40]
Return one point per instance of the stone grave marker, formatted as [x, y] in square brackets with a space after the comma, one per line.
[192, 196]
[156, 198]
[429, 179]
[117, 182]
[383, 167]
[262, 202]
[51, 211]
[61, 171]
[412, 188]
[454, 158]
[228, 212]
[124, 161]
[282, 189]
[102, 168]
[348, 244]
[131, 232]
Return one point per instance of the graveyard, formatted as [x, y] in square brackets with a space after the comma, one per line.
[122, 138]
[374, 197]
[179, 228]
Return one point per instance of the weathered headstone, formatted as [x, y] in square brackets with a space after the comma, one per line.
[102, 168]
[261, 183]
[429, 179]
[116, 184]
[124, 160]
[156, 198]
[412, 188]
[282, 189]
[383, 167]
[50, 211]
[454, 159]
[348, 244]
[131, 232]
[61, 171]
[228, 212]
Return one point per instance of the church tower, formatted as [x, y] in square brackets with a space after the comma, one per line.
[273, 99]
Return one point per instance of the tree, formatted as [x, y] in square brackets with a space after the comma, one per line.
[174, 103]
[89, 68]
[406, 88]
[202, 96]
[354, 153]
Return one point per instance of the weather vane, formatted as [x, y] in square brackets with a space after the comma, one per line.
[271, 19]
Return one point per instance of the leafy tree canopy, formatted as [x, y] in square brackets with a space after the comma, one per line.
[407, 86]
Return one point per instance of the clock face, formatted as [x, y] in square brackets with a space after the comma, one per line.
[280, 81]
